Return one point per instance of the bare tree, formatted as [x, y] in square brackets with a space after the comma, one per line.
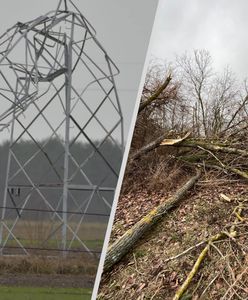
[196, 73]
[218, 103]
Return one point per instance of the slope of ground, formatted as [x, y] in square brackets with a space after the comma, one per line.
[150, 272]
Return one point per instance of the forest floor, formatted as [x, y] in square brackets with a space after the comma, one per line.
[150, 272]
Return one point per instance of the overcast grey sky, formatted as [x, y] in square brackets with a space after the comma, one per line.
[219, 26]
[121, 28]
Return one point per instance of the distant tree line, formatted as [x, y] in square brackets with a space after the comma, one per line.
[47, 167]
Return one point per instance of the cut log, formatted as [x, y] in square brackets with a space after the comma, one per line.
[123, 245]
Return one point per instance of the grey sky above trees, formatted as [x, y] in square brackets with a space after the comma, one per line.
[218, 26]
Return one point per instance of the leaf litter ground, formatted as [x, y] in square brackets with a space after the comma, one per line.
[146, 273]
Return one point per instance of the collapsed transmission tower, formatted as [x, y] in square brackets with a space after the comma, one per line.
[57, 95]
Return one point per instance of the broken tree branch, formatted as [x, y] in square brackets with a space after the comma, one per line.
[184, 252]
[153, 97]
[156, 143]
[196, 266]
[123, 245]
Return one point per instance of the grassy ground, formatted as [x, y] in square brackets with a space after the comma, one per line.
[83, 265]
[20, 293]
[94, 245]
[34, 233]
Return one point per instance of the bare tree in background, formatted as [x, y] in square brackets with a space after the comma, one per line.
[217, 101]
[196, 73]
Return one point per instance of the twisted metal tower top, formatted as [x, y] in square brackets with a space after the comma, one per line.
[38, 36]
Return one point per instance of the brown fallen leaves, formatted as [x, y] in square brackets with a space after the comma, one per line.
[145, 274]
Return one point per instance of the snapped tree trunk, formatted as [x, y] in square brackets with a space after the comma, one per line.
[155, 144]
[147, 148]
[123, 245]
[209, 146]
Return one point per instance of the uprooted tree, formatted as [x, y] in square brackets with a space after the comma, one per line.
[195, 118]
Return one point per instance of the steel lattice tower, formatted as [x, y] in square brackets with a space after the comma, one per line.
[56, 80]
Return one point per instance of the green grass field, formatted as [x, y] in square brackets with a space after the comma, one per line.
[53, 244]
[34, 234]
[20, 293]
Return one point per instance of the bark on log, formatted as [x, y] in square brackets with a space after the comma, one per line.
[156, 94]
[123, 245]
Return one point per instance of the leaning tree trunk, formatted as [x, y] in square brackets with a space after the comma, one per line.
[123, 245]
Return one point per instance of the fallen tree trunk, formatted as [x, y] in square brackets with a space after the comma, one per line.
[184, 142]
[207, 145]
[123, 245]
